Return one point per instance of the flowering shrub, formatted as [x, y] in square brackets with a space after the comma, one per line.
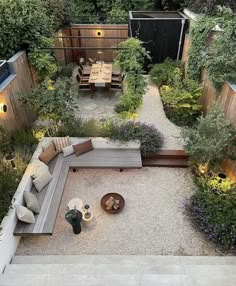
[215, 215]
[150, 138]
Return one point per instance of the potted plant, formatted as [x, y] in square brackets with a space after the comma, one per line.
[74, 218]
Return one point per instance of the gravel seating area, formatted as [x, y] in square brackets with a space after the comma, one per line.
[152, 222]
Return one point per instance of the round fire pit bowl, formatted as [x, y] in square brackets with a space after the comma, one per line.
[116, 197]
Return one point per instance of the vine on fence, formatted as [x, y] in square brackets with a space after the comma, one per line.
[213, 47]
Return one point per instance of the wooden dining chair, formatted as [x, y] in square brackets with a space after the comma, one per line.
[85, 70]
[117, 78]
[83, 77]
[91, 61]
[84, 85]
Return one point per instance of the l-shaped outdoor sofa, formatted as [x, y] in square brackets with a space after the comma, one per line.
[105, 154]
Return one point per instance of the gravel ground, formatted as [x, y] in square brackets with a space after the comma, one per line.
[152, 112]
[153, 220]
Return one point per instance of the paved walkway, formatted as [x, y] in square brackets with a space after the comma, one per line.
[152, 112]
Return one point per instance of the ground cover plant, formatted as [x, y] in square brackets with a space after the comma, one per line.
[212, 207]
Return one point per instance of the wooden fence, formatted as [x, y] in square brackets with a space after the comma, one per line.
[226, 99]
[92, 36]
[21, 80]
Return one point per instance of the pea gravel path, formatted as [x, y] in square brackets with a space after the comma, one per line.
[153, 220]
[152, 112]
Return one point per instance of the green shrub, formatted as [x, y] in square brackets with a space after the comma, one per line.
[162, 74]
[65, 71]
[131, 58]
[215, 215]
[85, 128]
[52, 100]
[42, 60]
[23, 142]
[211, 141]
[181, 102]
[150, 138]
[9, 180]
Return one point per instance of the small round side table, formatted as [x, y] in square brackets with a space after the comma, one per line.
[76, 203]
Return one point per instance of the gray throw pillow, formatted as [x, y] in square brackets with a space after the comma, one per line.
[41, 181]
[31, 202]
[25, 215]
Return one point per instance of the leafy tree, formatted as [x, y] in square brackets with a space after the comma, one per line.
[22, 22]
[209, 7]
[55, 10]
[117, 14]
[52, 100]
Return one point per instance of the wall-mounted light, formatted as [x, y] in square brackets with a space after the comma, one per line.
[99, 33]
[3, 107]
[100, 52]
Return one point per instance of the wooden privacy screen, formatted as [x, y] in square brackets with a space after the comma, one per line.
[17, 116]
[71, 55]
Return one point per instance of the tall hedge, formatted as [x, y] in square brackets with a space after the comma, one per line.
[22, 22]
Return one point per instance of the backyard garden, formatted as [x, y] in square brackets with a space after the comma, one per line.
[159, 108]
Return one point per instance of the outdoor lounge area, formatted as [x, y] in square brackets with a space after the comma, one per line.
[117, 143]
[151, 223]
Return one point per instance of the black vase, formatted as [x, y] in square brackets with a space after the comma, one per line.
[74, 218]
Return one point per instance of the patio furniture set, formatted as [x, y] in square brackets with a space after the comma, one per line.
[46, 175]
[99, 74]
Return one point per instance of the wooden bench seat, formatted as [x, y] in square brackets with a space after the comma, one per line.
[50, 197]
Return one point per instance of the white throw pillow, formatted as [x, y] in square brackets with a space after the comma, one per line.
[39, 168]
[41, 181]
[25, 214]
[68, 150]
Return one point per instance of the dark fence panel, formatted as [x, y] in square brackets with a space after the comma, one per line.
[162, 37]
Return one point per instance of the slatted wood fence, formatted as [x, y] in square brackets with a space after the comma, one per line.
[226, 99]
[98, 42]
[17, 116]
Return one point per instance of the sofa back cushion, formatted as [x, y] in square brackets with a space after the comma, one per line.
[48, 154]
[84, 147]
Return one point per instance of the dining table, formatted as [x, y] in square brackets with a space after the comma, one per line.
[101, 74]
